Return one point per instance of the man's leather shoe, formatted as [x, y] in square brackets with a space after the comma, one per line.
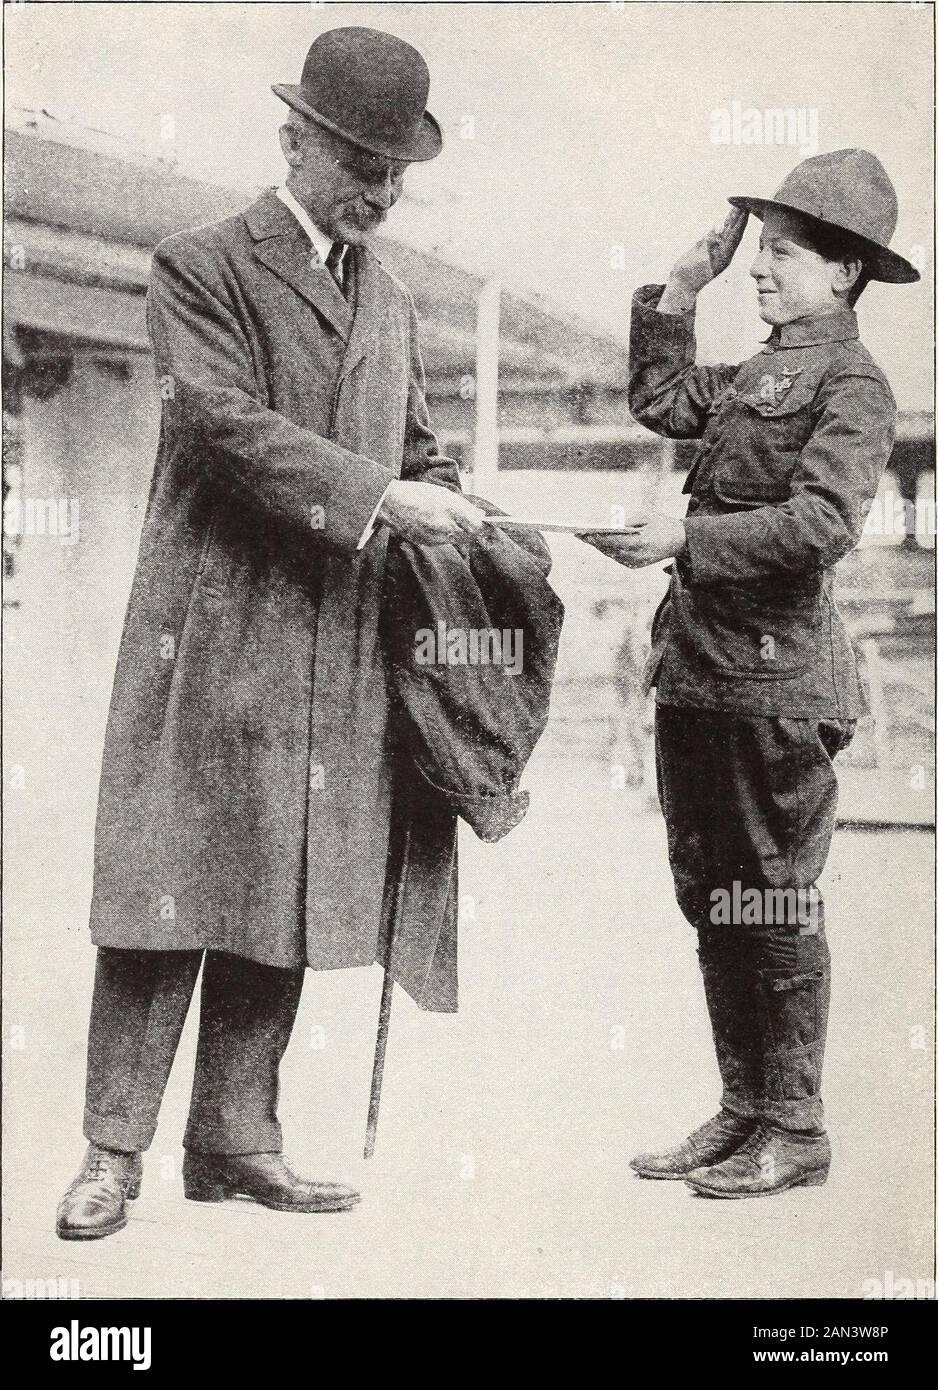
[772, 1160]
[96, 1203]
[714, 1140]
[265, 1178]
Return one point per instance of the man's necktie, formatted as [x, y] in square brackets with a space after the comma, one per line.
[334, 264]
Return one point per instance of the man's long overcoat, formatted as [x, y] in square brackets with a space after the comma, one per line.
[245, 797]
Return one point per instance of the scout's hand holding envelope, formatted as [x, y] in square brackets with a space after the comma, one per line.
[652, 538]
[659, 537]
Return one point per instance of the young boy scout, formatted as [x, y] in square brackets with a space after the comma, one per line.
[757, 686]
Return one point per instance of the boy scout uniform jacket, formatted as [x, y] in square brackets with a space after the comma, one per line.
[794, 443]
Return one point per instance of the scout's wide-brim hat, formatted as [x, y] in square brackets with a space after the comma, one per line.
[848, 191]
[370, 88]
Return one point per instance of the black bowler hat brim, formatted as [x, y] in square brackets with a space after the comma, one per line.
[425, 144]
[879, 262]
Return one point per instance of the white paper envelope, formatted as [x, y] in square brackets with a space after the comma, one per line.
[517, 523]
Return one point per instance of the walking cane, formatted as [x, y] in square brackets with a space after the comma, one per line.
[384, 1013]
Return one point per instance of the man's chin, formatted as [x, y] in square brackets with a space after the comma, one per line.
[354, 234]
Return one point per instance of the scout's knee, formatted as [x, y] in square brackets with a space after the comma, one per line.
[790, 951]
[692, 899]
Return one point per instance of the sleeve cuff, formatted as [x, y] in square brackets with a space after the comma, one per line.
[706, 543]
[645, 311]
[369, 530]
[655, 336]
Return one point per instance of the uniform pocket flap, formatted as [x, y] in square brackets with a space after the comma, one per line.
[765, 481]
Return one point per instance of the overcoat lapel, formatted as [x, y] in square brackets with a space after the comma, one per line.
[283, 246]
[369, 295]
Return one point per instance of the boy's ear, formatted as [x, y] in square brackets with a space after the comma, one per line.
[848, 272]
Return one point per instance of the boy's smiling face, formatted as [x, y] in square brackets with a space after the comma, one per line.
[792, 279]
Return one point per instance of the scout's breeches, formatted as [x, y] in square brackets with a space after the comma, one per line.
[750, 805]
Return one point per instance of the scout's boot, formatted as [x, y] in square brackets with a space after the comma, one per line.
[96, 1203]
[709, 1144]
[264, 1178]
[728, 989]
[792, 1013]
[790, 1148]
[771, 1160]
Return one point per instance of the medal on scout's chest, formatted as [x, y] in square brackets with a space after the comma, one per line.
[772, 389]
[788, 379]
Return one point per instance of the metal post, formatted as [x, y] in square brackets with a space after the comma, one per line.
[485, 452]
[878, 707]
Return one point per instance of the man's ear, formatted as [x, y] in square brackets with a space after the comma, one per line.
[291, 145]
[848, 272]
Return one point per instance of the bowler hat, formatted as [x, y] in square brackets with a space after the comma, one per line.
[846, 191]
[370, 88]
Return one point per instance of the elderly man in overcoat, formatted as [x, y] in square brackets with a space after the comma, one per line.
[247, 790]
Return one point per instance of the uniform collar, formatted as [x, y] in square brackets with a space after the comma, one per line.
[813, 332]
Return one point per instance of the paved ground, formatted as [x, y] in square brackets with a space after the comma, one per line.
[501, 1163]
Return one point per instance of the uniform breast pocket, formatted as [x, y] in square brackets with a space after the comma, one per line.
[737, 635]
[756, 479]
[767, 433]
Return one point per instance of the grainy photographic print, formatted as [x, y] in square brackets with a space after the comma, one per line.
[468, 660]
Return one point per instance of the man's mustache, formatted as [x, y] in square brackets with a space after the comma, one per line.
[370, 217]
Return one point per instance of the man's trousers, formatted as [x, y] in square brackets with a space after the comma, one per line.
[140, 1002]
[750, 806]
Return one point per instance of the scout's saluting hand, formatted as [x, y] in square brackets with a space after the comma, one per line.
[657, 536]
[705, 260]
